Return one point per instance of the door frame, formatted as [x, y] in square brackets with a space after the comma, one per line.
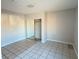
[37, 20]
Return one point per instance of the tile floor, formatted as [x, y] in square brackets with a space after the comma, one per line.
[31, 49]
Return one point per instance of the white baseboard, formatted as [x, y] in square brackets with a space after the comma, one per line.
[60, 41]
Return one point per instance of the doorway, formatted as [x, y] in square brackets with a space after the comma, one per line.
[37, 29]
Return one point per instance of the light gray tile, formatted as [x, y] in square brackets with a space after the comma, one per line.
[51, 53]
[65, 57]
[37, 50]
[42, 57]
[35, 56]
[58, 56]
[4, 57]
[17, 58]
[23, 53]
[50, 57]
[5, 51]
[27, 57]
[11, 56]
[44, 54]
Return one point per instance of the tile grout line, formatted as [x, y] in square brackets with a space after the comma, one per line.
[12, 52]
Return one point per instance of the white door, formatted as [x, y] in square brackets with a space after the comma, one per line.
[37, 28]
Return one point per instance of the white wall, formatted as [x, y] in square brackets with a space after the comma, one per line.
[56, 26]
[17, 27]
[60, 26]
[12, 28]
[75, 44]
[30, 25]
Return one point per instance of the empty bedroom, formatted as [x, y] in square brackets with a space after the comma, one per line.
[39, 29]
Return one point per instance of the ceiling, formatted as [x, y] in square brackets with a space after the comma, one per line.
[21, 6]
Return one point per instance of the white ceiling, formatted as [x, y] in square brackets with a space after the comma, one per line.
[20, 6]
